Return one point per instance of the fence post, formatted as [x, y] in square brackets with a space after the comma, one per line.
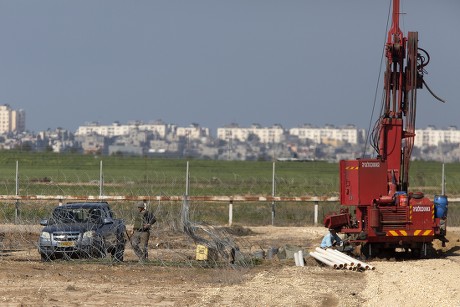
[273, 194]
[187, 180]
[101, 181]
[16, 209]
[230, 213]
[185, 214]
[316, 213]
[443, 181]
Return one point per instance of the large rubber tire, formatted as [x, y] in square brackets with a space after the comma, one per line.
[98, 249]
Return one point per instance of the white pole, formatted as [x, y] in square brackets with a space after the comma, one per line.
[296, 258]
[300, 256]
[101, 180]
[187, 180]
[443, 185]
[316, 213]
[230, 213]
[17, 177]
[185, 204]
[16, 210]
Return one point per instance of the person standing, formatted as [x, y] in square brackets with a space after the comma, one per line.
[143, 221]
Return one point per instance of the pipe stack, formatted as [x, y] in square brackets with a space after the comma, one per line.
[339, 260]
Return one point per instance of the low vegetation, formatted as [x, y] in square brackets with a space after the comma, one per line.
[71, 174]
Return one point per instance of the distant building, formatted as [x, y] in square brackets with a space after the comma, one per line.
[12, 120]
[329, 134]
[93, 144]
[433, 137]
[266, 135]
[159, 128]
[194, 131]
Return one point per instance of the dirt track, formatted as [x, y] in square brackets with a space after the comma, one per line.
[24, 280]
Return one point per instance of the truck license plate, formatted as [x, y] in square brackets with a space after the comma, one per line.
[66, 244]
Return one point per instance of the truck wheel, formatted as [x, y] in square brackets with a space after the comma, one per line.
[98, 252]
[98, 248]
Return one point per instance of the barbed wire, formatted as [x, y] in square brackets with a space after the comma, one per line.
[175, 241]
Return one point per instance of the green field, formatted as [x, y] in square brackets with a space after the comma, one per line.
[57, 174]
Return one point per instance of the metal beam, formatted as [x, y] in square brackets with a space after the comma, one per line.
[235, 198]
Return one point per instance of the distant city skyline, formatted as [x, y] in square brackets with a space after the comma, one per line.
[23, 112]
[217, 62]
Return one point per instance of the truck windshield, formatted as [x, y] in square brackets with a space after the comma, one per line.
[77, 215]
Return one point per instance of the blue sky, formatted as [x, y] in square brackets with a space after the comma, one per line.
[215, 62]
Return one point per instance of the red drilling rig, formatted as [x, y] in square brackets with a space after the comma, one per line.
[387, 217]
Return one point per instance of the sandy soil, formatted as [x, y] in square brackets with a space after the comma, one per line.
[25, 281]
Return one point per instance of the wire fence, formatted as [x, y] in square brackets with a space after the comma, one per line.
[175, 240]
[258, 193]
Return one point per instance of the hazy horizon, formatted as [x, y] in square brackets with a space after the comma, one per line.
[214, 63]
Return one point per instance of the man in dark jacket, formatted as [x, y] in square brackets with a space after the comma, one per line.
[143, 221]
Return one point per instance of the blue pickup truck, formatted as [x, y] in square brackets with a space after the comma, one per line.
[82, 230]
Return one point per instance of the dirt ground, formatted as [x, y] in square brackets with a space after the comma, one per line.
[26, 281]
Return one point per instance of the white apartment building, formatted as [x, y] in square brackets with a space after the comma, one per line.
[194, 131]
[117, 129]
[274, 134]
[161, 129]
[12, 120]
[349, 134]
[433, 137]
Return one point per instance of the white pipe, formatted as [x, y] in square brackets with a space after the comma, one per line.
[360, 264]
[347, 258]
[331, 256]
[357, 262]
[339, 264]
[320, 258]
[300, 256]
[296, 259]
